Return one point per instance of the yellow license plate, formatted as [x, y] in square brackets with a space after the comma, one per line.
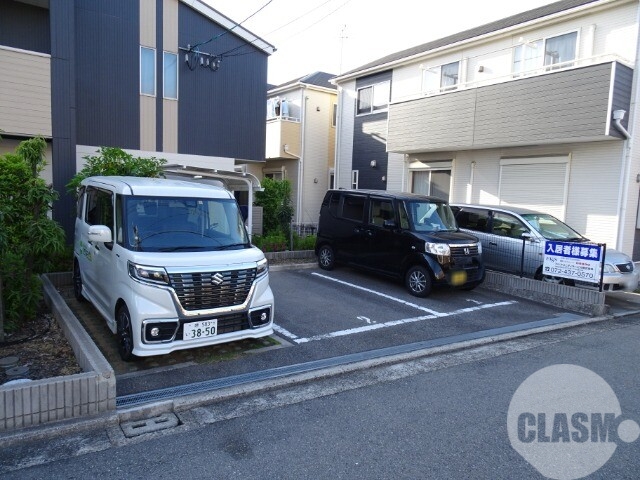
[458, 277]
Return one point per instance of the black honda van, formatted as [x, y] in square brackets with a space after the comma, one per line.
[407, 236]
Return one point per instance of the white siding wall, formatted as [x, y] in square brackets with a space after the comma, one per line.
[611, 31]
[594, 179]
[346, 118]
[396, 173]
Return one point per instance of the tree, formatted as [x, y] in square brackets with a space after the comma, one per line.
[115, 161]
[28, 238]
[275, 201]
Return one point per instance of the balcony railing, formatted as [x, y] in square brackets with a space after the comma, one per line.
[511, 76]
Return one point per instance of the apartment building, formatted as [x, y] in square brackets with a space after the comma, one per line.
[535, 110]
[173, 79]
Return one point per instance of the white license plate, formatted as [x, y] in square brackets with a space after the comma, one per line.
[203, 329]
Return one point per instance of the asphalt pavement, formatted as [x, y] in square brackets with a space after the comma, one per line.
[437, 416]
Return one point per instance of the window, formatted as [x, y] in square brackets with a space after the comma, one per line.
[441, 78]
[506, 225]
[373, 98]
[147, 71]
[170, 78]
[275, 173]
[436, 183]
[354, 179]
[379, 211]
[473, 219]
[334, 116]
[353, 207]
[545, 52]
[99, 207]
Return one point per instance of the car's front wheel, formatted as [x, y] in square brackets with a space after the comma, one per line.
[125, 334]
[418, 281]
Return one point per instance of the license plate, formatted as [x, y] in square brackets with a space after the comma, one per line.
[458, 277]
[203, 329]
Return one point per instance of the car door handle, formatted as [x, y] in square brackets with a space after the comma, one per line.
[493, 243]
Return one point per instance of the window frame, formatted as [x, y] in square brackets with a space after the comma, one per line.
[373, 107]
[542, 58]
[155, 72]
[438, 72]
[164, 75]
[355, 174]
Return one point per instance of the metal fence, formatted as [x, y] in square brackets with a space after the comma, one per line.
[525, 257]
[304, 229]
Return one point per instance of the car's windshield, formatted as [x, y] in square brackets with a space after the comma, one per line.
[551, 228]
[169, 224]
[427, 216]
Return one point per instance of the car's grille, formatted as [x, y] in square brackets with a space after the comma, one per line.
[461, 251]
[234, 322]
[625, 267]
[205, 290]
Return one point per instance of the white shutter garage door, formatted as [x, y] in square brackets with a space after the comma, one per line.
[535, 183]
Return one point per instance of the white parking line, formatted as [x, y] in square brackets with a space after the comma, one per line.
[375, 326]
[393, 323]
[380, 294]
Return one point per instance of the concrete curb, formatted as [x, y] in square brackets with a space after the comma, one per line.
[41, 401]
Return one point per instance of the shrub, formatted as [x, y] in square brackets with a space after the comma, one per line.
[270, 243]
[115, 161]
[28, 237]
[277, 211]
[304, 243]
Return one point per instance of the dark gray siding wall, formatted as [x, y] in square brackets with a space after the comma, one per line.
[567, 106]
[221, 113]
[369, 141]
[24, 26]
[621, 99]
[107, 73]
[63, 110]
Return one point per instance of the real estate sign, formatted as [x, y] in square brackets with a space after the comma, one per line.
[577, 261]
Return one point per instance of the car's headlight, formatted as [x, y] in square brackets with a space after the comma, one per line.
[262, 267]
[155, 275]
[479, 247]
[610, 268]
[437, 248]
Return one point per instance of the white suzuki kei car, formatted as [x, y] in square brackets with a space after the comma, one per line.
[168, 264]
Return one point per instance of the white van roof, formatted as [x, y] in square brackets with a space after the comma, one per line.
[157, 187]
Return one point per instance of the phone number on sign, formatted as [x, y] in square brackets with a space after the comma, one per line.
[588, 275]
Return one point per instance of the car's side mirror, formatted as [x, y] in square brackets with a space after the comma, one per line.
[528, 236]
[99, 233]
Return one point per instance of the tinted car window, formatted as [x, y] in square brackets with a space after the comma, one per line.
[334, 201]
[353, 207]
[473, 219]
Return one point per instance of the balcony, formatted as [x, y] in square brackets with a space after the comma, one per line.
[559, 105]
[282, 131]
[25, 93]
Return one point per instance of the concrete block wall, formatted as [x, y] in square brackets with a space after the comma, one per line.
[583, 300]
[89, 393]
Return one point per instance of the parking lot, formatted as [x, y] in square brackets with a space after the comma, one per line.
[321, 315]
[345, 310]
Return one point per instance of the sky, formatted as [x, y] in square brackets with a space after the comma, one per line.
[336, 36]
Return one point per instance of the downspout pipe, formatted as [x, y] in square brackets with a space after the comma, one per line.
[618, 116]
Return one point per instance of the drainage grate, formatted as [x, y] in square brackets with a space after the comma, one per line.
[215, 384]
[148, 425]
